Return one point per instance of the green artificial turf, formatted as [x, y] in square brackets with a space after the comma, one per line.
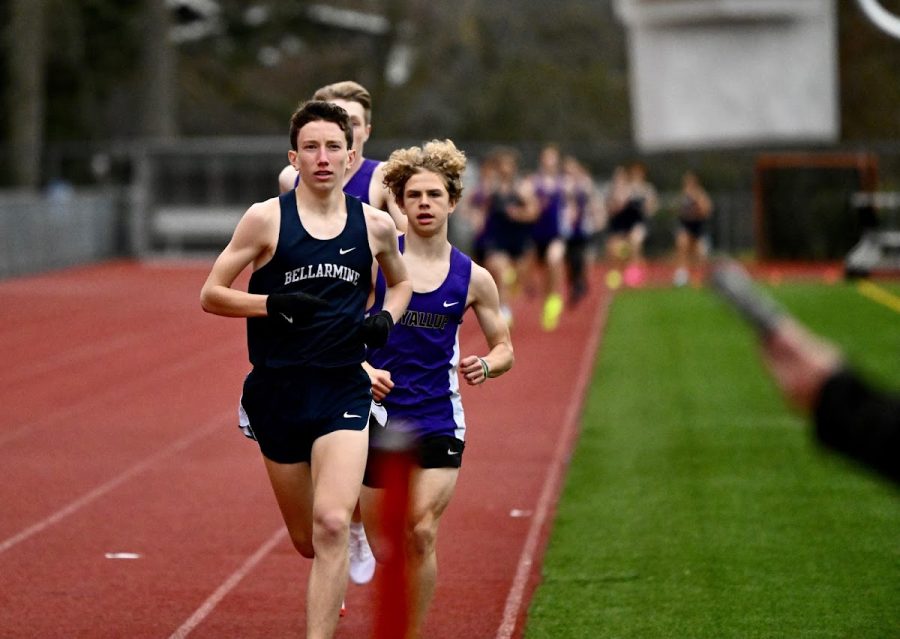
[698, 505]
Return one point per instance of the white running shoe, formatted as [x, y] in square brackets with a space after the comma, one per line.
[362, 562]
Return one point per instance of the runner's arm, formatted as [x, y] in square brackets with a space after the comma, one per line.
[485, 302]
[249, 243]
[386, 250]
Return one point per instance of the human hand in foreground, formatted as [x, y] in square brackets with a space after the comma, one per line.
[799, 361]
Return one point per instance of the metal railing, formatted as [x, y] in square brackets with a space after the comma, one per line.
[58, 228]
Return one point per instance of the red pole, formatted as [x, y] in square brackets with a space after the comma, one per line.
[394, 611]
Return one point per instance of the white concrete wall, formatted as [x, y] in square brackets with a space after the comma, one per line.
[731, 72]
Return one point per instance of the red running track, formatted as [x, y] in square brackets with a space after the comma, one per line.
[132, 506]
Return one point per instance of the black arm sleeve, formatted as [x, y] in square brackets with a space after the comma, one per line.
[860, 422]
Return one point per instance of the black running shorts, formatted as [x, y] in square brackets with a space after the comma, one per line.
[430, 451]
[287, 410]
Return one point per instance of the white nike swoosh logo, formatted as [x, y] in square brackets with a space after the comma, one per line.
[289, 319]
[345, 251]
[452, 452]
[449, 304]
[349, 415]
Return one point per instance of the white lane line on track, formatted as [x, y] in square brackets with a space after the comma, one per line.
[228, 585]
[550, 490]
[210, 427]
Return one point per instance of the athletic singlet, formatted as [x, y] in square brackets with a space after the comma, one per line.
[358, 186]
[337, 270]
[501, 232]
[549, 224]
[498, 205]
[422, 355]
[635, 208]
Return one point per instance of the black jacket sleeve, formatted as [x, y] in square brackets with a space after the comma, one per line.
[860, 422]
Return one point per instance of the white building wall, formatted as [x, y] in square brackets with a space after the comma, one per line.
[731, 72]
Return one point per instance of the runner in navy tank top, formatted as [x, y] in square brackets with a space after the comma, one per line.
[306, 400]
[363, 180]
[695, 209]
[640, 205]
[510, 210]
[362, 562]
[415, 375]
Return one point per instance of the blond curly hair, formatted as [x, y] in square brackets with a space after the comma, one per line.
[438, 156]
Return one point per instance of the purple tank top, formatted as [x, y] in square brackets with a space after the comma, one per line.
[358, 186]
[549, 224]
[422, 355]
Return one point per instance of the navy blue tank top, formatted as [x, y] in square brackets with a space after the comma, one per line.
[337, 270]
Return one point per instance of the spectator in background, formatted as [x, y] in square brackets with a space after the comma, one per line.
[849, 415]
[694, 210]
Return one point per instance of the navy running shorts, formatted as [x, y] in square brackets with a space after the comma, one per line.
[286, 410]
[694, 228]
[623, 222]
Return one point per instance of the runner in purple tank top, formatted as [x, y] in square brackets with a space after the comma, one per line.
[415, 376]
[550, 232]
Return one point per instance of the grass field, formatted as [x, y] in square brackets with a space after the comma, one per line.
[697, 504]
